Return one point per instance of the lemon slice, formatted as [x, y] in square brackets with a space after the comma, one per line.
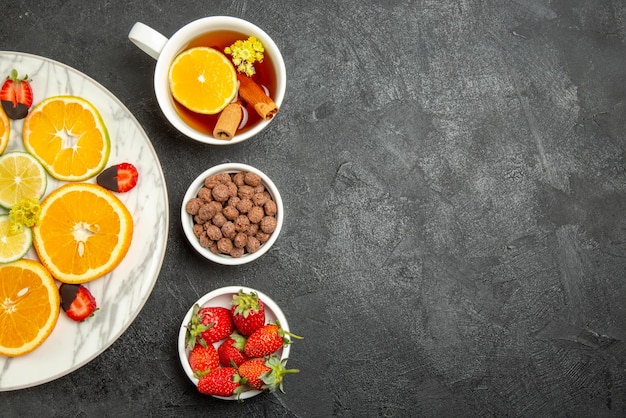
[13, 246]
[203, 80]
[21, 177]
[68, 136]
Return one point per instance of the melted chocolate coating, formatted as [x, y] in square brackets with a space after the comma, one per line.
[18, 112]
[108, 178]
[68, 294]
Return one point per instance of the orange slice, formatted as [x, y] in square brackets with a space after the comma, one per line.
[5, 130]
[84, 232]
[29, 306]
[203, 80]
[68, 136]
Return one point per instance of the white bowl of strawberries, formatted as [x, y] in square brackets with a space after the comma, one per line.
[234, 343]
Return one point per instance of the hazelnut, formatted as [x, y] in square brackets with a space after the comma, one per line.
[228, 230]
[230, 213]
[193, 205]
[232, 188]
[223, 177]
[252, 179]
[224, 245]
[221, 193]
[205, 212]
[268, 224]
[240, 240]
[213, 232]
[205, 194]
[259, 199]
[245, 191]
[244, 205]
[218, 219]
[262, 237]
[253, 244]
[238, 178]
[270, 208]
[198, 230]
[255, 214]
[211, 182]
[241, 223]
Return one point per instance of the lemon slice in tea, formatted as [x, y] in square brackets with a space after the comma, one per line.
[29, 306]
[84, 232]
[68, 136]
[5, 130]
[13, 245]
[21, 177]
[203, 80]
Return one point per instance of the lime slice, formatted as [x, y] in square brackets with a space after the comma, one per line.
[21, 177]
[13, 246]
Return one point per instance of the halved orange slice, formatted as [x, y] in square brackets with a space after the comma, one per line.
[29, 306]
[84, 232]
[68, 136]
[203, 80]
[5, 130]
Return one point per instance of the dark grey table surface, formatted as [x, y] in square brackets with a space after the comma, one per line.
[454, 178]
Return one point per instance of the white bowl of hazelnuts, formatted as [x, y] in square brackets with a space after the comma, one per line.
[232, 214]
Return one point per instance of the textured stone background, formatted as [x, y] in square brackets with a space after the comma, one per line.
[454, 179]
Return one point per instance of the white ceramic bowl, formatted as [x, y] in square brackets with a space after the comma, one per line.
[221, 298]
[187, 219]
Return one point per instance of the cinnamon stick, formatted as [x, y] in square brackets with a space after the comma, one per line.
[254, 95]
[228, 121]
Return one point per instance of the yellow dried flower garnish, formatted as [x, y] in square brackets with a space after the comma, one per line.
[245, 54]
[24, 213]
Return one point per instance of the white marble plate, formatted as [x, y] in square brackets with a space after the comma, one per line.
[122, 293]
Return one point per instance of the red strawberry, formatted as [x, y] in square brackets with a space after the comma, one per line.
[16, 96]
[267, 340]
[208, 325]
[77, 301]
[231, 350]
[248, 312]
[119, 178]
[223, 381]
[203, 359]
[265, 373]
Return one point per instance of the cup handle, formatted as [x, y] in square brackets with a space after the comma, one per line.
[147, 39]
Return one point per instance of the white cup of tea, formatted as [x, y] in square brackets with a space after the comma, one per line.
[215, 32]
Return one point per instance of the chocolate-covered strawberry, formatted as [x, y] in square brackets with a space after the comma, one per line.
[118, 178]
[248, 312]
[77, 301]
[16, 96]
